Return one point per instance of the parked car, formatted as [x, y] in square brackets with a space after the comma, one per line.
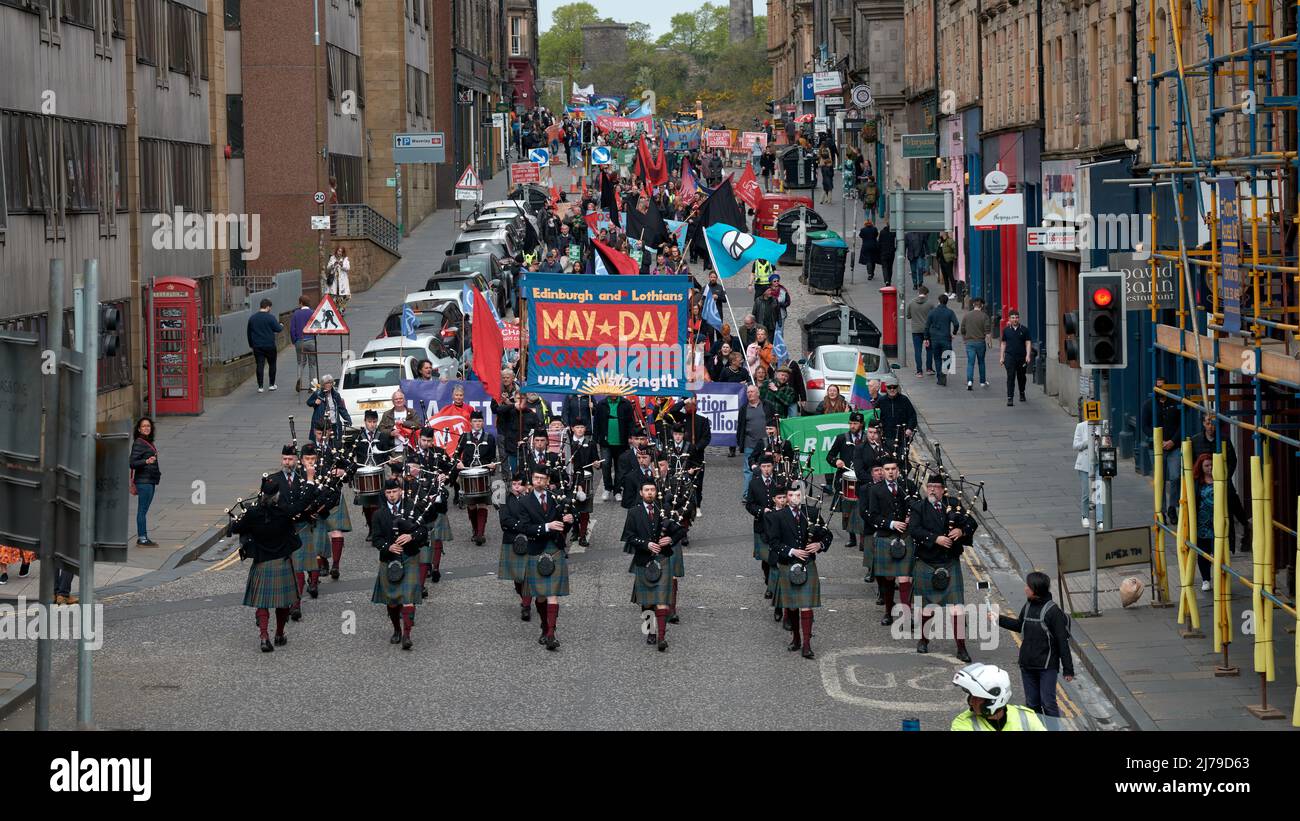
[534, 197]
[368, 383]
[521, 230]
[454, 280]
[504, 209]
[439, 316]
[492, 241]
[424, 346]
[838, 365]
[493, 268]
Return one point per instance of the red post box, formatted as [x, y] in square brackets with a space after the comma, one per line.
[176, 346]
[889, 320]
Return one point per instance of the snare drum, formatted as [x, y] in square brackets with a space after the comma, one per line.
[369, 480]
[850, 486]
[582, 481]
[475, 483]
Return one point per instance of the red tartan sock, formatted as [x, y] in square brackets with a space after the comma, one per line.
[336, 549]
[314, 578]
[805, 627]
[408, 618]
[281, 617]
[424, 572]
[437, 554]
[552, 613]
[661, 621]
[395, 616]
[887, 587]
[263, 620]
[672, 608]
[583, 520]
[905, 597]
[299, 580]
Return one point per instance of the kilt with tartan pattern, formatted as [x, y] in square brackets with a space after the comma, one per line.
[407, 591]
[271, 584]
[887, 567]
[808, 594]
[440, 530]
[923, 583]
[648, 595]
[426, 551]
[319, 537]
[556, 584]
[774, 584]
[677, 562]
[511, 566]
[857, 524]
[304, 558]
[339, 518]
[760, 548]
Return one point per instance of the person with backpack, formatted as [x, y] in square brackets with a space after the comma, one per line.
[1045, 648]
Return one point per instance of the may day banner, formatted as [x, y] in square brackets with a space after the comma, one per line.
[816, 434]
[719, 402]
[603, 335]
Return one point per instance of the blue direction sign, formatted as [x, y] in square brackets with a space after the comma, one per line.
[419, 148]
[600, 155]
[541, 156]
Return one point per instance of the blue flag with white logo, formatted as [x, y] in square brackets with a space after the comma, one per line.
[710, 311]
[778, 347]
[732, 249]
[409, 324]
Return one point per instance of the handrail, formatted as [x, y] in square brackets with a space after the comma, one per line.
[360, 221]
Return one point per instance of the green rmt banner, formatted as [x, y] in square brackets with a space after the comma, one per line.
[815, 435]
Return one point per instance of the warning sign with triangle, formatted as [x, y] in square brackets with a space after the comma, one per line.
[326, 319]
[469, 179]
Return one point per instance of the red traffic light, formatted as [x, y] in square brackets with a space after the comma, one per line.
[1102, 297]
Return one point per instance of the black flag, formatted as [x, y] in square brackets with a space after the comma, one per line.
[721, 206]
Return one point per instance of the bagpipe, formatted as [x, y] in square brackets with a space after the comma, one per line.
[815, 531]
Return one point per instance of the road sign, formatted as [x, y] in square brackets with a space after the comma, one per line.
[1092, 411]
[419, 147]
[471, 194]
[808, 88]
[995, 182]
[821, 124]
[503, 108]
[996, 210]
[861, 96]
[827, 82]
[920, 146]
[326, 319]
[521, 172]
[498, 120]
[830, 101]
[921, 210]
[319, 197]
[1049, 239]
[600, 155]
[320, 222]
[541, 156]
[469, 179]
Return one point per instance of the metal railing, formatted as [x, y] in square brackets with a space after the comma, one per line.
[360, 221]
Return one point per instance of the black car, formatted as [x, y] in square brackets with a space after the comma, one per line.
[483, 271]
[534, 197]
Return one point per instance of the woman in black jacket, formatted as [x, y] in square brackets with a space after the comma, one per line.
[144, 477]
[870, 248]
[885, 253]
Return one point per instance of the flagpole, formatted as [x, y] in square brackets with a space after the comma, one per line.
[730, 310]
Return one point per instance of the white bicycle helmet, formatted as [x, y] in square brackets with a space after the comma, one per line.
[987, 682]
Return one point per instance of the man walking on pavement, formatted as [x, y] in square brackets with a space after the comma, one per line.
[262, 328]
[975, 332]
[1014, 354]
[918, 313]
[939, 329]
[914, 243]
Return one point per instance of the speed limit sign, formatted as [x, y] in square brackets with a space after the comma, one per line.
[320, 197]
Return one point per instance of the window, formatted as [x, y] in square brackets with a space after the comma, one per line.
[55, 166]
[174, 175]
[79, 12]
[516, 36]
[415, 11]
[235, 124]
[147, 22]
[346, 171]
[233, 19]
[51, 14]
[428, 23]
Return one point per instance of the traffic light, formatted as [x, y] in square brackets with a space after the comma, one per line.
[586, 132]
[110, 322]
[1101, 301]
[1070, 330]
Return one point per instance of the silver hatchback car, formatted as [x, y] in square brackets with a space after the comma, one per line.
[838, 365]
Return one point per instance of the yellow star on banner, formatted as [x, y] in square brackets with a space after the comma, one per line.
[605, 327]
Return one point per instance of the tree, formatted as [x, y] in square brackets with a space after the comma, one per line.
[561, 44]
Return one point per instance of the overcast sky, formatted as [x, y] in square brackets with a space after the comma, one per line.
[657, 13]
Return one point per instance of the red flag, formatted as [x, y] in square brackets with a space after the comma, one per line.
[747, 188]
[485, 336]
[659, 168]
[614, 261]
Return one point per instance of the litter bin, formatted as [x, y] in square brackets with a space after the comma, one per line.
[785, 225]
[823, 264]
[822, 326]
[799, 166]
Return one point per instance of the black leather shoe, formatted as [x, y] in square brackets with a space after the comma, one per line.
[853, 542]
[963, 655]
[923, 646]
[266, 646]
[406, 641]
[541, 639]
[880, 600]
[1010, 403]
[767, 594]
[868, 579]
[663, 645]
[886, 621]
[296, 614]
[776, 614]
[650, 638]
[674, 619]
[807, 653]
[424, 592]
[334, 573]
[281, 640]
[313, 591]
[582, 540]
[525, 613]
[435, 575]
[795, 644]
[1022, 398]
[552, 643]
[396, 638]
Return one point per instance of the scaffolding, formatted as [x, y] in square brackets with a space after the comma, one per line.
[1234, 339]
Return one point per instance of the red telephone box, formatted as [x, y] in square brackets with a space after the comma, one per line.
[176, 346]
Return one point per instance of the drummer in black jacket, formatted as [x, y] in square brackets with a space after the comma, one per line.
[584, 461]
[477, 449]
[637, 441]
[941, 529]
[268, 537]
[398, 539]
[841, 454]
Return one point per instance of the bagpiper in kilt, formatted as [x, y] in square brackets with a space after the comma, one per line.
[799, 535]
[398, 534]
[543, 523]
[651, 535]
[267, 537]
[329, 544]
[941, 529]
[886, 515]
[513, 564]
[630, 488]
[677, 499]
[476, 449]
[584, 461]
[868, 464]
[425, 460]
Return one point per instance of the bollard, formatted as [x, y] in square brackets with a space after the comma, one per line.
[889, 320]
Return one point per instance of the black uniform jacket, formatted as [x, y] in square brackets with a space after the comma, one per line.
[533, 519]
[268, 532]
[883, 507]
[759, 498]
[482, 444]
[639, 530]
[929, 524]
[385, 528]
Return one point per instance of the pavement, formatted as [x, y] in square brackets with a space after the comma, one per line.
[1024, 456]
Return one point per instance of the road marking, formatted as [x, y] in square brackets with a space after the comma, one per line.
[834, 687]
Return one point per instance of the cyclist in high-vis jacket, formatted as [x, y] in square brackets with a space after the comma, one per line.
[988, 696]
